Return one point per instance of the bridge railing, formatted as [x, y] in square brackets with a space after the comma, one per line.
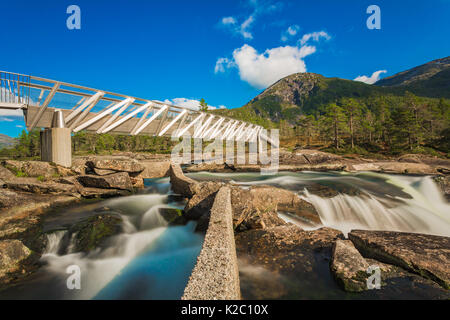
[101, 111]
[14, 88]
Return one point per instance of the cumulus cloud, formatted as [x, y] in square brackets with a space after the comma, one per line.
[228, 20]
[372, 79]
[315, 36]
[222, 64]
[290, 32]
[191, 104]
[262, 69]
[243, 29]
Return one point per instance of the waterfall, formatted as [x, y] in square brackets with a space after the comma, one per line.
[425, 212]
[142, 224]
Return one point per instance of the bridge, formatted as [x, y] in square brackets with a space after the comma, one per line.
[62, 108]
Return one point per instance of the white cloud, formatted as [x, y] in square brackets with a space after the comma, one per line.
[315, 36]
[191, 104]
[290, 32]
[228, 20]
[372, 79]
[19, 126]
[244, 28]
[262, 69]
[222, 64]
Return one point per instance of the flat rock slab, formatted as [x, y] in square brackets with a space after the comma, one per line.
[426, 255]
[119, 181]
[349, 267]
[130, 166]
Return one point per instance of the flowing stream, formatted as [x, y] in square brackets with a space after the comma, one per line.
[368, 201]
[150, 259]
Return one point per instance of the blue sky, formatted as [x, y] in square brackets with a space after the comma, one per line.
[223, 51]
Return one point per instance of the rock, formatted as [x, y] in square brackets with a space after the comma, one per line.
[444, 184]
[32, 168]
[180, 183]
[79, 166]
[349, 267]
[10, 198]
[64, 172]
[426, 255]
[103, 172]
[91, 232]
[251, 213]
[284, 200]
[131, 166]
[6, 174]
[202, 200]
[119, 181]
[137, 182]
[12, 254]
[394, 167]
[155, 169]
[173, 216]
[37, 187]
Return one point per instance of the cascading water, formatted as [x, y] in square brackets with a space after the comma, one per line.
[382, 202]
[162, 252]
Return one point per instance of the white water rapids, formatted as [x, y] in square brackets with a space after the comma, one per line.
[380, 206]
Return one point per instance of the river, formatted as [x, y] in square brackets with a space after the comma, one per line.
[150, 259]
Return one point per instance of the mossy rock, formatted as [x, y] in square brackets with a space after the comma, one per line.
[91, 232]
[173, 216]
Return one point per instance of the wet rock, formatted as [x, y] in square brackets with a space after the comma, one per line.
[92, 232]
[349, 267]
[32, 168]
[300, 259]
[130, 165]
[173, 216]
[119, 181]
[180, 183]
[444, 184]
[12, 254]
[426, 255]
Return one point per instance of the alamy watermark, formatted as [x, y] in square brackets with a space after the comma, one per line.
[264, 150]
[73, 22]
[374, 20]
[374, 280]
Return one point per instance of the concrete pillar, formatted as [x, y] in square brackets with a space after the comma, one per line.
[56, 142]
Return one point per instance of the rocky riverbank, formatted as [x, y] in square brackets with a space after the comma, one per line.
[276, 258]
[281, 260]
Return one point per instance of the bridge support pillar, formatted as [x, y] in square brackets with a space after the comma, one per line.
[56, 142]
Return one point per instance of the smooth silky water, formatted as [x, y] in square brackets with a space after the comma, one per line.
[148, 260]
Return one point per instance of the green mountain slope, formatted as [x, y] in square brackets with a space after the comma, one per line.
[417, 74]
[7, 141]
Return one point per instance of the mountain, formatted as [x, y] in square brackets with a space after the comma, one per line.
[302, 93]
[421, 73]
[309, 93]
[6, 141]
[431, 79]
